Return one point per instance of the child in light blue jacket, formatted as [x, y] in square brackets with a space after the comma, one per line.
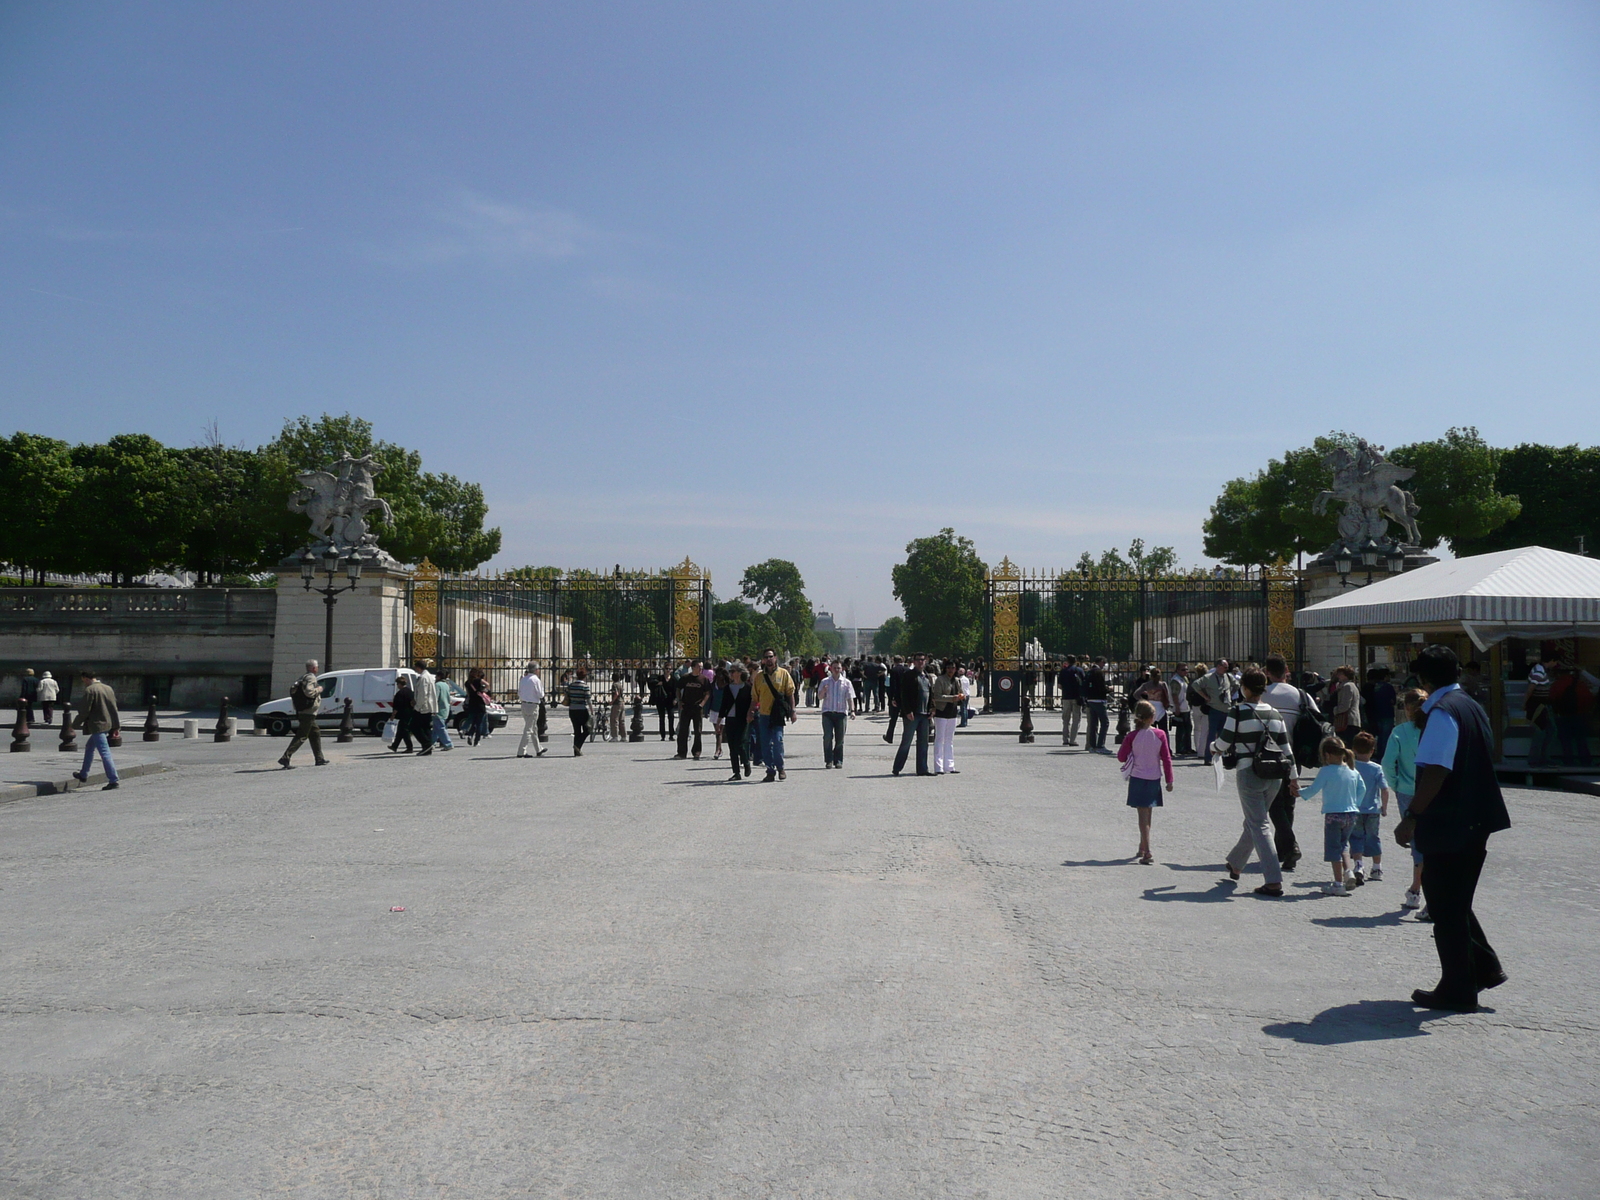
[1341, 790]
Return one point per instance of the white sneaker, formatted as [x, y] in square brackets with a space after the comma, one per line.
[1335, 889]
[1412, 899]
[1377, 875]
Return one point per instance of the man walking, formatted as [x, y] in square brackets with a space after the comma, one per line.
[97, 716]
[693, 693]
[1216, 687]
[530, 694]
[425, 706]
[1096, 695]
[306, 695]
[30, 692]
[578, 709]
[915, 691]
[1457, 806]
[1291, 704]
[837, 697]
[1070, 682]
[774, 693]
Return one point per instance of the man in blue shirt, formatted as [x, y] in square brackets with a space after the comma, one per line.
[1456, 807]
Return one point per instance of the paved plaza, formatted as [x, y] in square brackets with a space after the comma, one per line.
[619, 976]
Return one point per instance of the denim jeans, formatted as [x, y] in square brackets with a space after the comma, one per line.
[1215, 719]
[913, 727]
[1336, 835]
[97, 742]
[771, 742]
[833, 724]
[441, 732]
[1099, 724]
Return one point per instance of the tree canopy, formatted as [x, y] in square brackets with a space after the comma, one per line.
[887, 639]
[777, 584]
[131, 505]
[940, 588]
[1556, 487]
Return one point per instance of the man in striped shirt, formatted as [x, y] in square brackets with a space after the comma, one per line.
[1244, 729]
[578, 709]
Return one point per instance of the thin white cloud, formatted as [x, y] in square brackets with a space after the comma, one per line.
[476, 227]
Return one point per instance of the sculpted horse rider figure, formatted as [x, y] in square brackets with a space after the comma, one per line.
[337, 505]
[1368, 486]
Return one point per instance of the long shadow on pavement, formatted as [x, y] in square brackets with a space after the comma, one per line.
[1388, 918]
[1101, 862]
[1363, 1021]
[1221, 893]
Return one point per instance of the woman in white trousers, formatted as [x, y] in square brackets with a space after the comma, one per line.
[947, 698]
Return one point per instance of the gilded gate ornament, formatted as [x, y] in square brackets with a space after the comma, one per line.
[1280, 609]
[425, 612]
[1005, 590]
[686, 608]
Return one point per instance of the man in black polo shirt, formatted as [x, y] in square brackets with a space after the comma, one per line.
[1456, 807]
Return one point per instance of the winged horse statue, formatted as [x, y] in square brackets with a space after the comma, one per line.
[1368, 485]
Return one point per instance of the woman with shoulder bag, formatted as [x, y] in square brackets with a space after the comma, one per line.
[1254, 744]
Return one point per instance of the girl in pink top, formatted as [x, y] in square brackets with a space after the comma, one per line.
[1145, 757]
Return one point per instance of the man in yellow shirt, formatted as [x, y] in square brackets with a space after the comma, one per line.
[773, 690]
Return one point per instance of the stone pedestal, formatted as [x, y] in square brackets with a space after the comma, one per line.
[370, 624]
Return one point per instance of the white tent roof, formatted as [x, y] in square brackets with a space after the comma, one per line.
[1531, 585]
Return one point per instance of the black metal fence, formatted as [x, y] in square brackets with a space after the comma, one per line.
[1029, 616]
[621, 626]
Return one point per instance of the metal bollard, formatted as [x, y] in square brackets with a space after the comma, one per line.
[636, 726]
[543, 726]
[224, 732]
[19, 731]
[152, 730]
[69, 736]
[1027, 720]
[347, 723]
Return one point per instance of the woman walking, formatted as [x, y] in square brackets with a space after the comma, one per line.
[475, 710]
[1145, 756]
[947, 700]
[733, 711]
[1252, 727]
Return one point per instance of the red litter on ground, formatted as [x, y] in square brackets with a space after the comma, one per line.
[398, 908]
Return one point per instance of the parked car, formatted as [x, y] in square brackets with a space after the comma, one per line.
[372, 693]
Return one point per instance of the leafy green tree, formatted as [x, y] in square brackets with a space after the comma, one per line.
[34, 536]
[1262, 518]
[1455, 487]
[738, 630]
[130, 509]
[1556, 487]
[889, 635]
[831, 641]
[226, 539]
[940, 587]
[777, 584]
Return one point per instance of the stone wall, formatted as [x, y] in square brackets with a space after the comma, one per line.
[190, 646]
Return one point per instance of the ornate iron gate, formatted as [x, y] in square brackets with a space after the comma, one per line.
[621, 625]
[1030, 614]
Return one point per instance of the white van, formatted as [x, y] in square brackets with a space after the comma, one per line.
[372, 692]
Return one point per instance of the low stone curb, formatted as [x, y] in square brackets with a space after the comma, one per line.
[11, 792]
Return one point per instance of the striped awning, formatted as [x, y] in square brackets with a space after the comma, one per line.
[1533, 585]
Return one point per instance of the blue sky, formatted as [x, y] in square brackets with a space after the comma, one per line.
[806, 281]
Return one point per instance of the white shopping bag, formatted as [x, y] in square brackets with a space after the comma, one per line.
[390, 729]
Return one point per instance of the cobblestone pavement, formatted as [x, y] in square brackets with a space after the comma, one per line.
[620, 976]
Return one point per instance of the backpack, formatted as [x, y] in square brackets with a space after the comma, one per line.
[303, 700]
[1309, 730]
[1268, 760]
[1196, 700]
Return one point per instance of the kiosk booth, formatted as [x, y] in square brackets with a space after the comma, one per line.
[1508, 612]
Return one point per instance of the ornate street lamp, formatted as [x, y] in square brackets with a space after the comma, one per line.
[1396, 560]
[329, 593]
[1369, 555]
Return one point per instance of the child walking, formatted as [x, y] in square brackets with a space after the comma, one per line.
[1400, 766]
[1145, 756]
[1340, 788]
[1367, 833]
